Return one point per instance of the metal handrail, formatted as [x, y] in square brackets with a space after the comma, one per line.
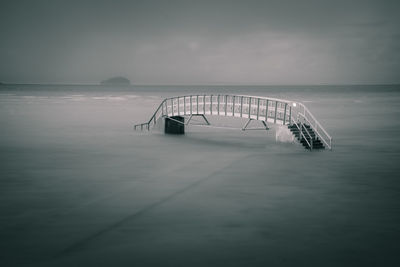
[315, 120]
[226, 103]
[151, 118]
[315, 128]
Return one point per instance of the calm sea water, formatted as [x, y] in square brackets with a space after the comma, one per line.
[79, 187]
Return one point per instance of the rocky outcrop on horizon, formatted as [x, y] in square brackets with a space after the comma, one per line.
[116, 81]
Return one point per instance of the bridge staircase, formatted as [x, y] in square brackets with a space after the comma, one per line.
[306, 136]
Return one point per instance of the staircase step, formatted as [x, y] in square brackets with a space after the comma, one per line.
[306, 135]
[314, 147]
[304, 130]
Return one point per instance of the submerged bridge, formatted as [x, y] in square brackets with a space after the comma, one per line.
[301, 122]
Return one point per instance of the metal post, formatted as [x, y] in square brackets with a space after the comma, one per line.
[179, 113]
[172, 106]
[197, 102]
[266, 111]
[226, 103]
[241, 106]
[211, 104]
[184, 105]
[290, 114]
[204, 104]
[284, 115]
[218, 104]
[233, 107]
[276, 110]
[191, 105]
[249, 107]
[258, 107]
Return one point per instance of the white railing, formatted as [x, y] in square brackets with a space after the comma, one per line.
[273, 110]
[306, 117]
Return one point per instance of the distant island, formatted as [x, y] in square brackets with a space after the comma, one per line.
[116, 81]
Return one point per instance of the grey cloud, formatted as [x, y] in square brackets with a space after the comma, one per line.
[200, 41]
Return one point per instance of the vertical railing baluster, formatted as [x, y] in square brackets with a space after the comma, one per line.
[204, 104]
[179, 112]
[191, 105]
[211, 97]
[197, 104]
[218, 104]
[226, 104]
[233, 106]
[266, 111]
[284, 115]
[241, 106]
[184, 105]
[276, 110]
[258, 107]
[249, 107]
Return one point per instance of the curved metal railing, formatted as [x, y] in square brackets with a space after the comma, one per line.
[273, 110]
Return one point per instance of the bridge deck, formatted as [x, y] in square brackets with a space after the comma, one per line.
[271, 110]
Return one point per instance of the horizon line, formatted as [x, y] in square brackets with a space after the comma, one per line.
[196, 84]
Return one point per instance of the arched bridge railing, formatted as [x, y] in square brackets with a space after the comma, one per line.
[272, 110]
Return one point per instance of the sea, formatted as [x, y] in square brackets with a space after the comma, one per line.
[80, 187]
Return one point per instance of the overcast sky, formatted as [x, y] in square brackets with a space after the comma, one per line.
[200, 42]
